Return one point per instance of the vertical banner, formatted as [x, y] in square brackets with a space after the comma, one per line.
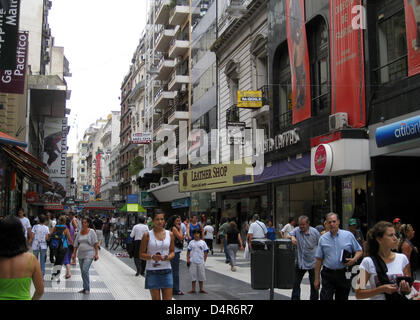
[98, 173]
[299, 60]
[412, 20]
[9, 24]
[55, 152]
[13, 81]
[347, 61]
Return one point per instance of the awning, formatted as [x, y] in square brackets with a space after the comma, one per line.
[28, 165]
[100, 205]
[6, 139]
[132, 207]
[168, 192]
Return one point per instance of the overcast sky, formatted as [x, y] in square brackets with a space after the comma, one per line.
[99, 39]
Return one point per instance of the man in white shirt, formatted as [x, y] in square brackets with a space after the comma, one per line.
[288, 228]
[137, 233]
[26, 225]
[257, 229]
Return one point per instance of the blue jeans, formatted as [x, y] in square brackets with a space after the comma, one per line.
[42, 257]
[175, 271]
[84, 268]
[226, 250]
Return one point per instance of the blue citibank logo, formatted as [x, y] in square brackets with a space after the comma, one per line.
[400, 131]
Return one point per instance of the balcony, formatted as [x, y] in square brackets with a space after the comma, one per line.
[179, 13]
[164, 69]
[178, 48]
[164, 39]
[178, 82]
[164, 98]
[176, 114]
[162, 12]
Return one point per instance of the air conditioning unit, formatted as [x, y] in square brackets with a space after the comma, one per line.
[165, 180]
[338, 121]
[175, 177]
[183, 87]
[154, 185]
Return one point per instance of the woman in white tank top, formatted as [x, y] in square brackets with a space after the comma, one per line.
[157, 248]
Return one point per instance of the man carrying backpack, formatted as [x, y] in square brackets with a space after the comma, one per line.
[60, 240]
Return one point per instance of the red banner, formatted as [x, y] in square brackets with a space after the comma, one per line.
[412, 21]
[299, 60]
[347, 61]
[13, 81]
[98, 174]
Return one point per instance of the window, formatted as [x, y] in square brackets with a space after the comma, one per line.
[319, 65]
[282, 88]
[391, 41]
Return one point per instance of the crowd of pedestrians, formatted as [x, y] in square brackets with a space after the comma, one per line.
[387, 257]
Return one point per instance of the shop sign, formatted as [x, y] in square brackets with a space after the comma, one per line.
[282, 140]
[31, 197]
[141, 138]
[400, 131]
[132, 198]
[323, 159]
[216, 176]
[181, 203]
[249, 99]
[53, 206]
[147, 200]
[235, 133]
[9, 26]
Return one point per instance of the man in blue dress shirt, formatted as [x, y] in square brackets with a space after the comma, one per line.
[331, 247]
[306, 239]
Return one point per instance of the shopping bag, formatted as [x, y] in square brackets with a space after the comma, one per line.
[246, 251]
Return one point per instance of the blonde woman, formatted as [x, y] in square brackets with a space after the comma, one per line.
[406, 246]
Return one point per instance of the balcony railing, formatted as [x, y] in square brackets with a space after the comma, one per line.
[285, 119]
[266, 95]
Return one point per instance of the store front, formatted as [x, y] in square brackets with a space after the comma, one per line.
[394, 182]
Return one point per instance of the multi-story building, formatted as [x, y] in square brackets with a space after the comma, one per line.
[39, 110]
[81, 178]
[110, 141]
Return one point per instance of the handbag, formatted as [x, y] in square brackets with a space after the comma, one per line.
[381, 270]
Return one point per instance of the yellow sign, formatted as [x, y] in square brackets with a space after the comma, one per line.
[250, 99]
[216, 176]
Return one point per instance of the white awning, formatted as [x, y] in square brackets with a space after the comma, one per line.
[168, 192]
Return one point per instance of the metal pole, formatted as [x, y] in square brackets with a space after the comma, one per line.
[272, 271]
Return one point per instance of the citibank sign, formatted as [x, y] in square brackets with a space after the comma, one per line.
[400, 131]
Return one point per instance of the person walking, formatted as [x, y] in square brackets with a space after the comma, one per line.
[26, 225]
[222, 234]
[234, 242]
[382, 267]
[194, 225]
[271, 232]
[353, 228]
[209, 235]
[40, 235]
[137, 234]
[107, 231]
[288, 228]
[68, 256]
[18, 267]
[174, 225]
[157, 248]
[397, 225]
[86, 249]
[50, 223]
[407, 247]
[98, 225]
[257, 230]
[60, 242]
[333, 247]
[196, 258]
[305, 238]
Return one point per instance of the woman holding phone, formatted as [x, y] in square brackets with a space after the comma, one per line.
[157, 248]
[387, 272]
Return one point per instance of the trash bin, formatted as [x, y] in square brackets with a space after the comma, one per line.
[261, 264]
[284, 262]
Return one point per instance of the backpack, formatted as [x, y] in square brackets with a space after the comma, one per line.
[58, 238]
